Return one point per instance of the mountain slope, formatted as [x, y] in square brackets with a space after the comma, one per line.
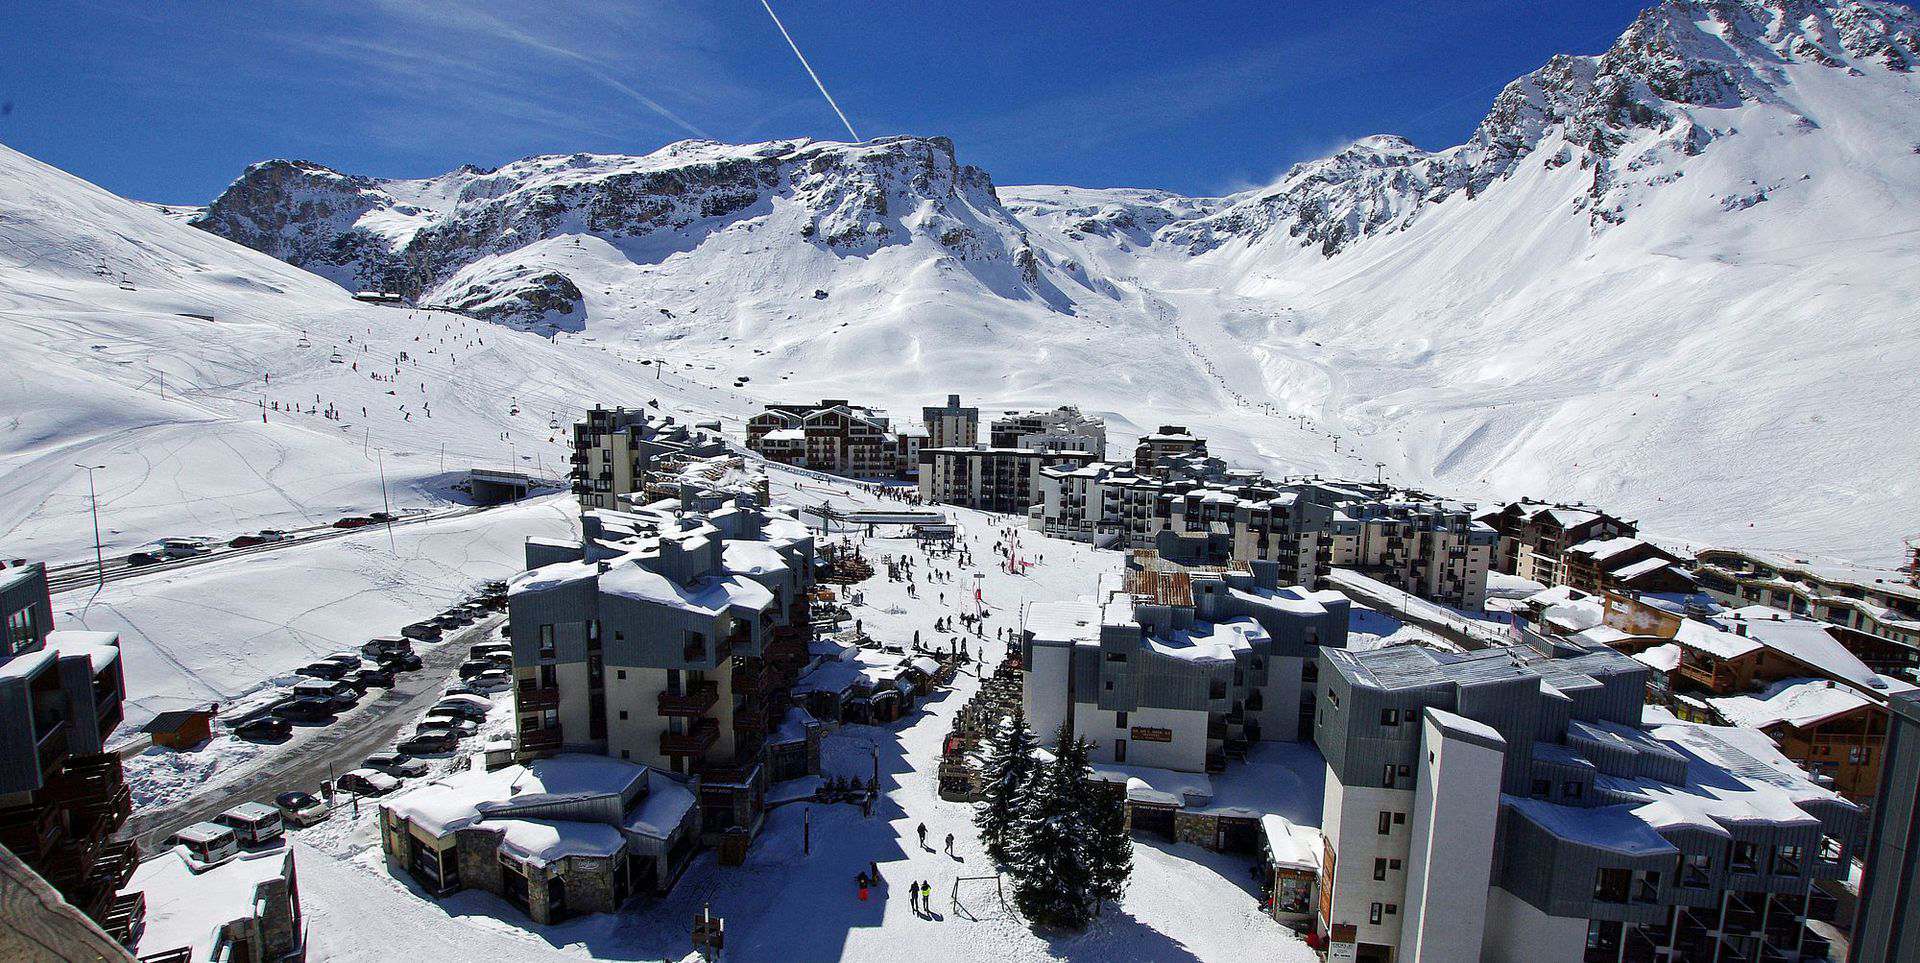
[1674, 277]
[150, 348]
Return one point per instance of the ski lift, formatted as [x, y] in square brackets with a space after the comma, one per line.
[553, 424]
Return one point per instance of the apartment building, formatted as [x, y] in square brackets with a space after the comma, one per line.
[669, 637]
[1625, 564]
[1179, 669]
[62, 794]
[1534, 534]
[1005, 480]
[1169, 441]
[835, 436]
[953, 426]
[616, 450]
[1511, 805]
[1200, 513]
[1880, 602]
[1886, 926]
[1063, 429]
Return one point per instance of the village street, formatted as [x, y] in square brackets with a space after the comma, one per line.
[795, 898]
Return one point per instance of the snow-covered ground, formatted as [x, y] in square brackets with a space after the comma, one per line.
[1185, 903]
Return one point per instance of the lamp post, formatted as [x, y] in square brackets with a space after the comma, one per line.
[93, 502]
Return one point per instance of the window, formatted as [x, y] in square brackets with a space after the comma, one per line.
[1386, 822]
[1746, 857]
[1399, 819]
[1611, 885]
[1393, 908]
[1386, 777]
[1787, 860]
[1393, 864]
[593, 635]
[20, 630]
[620, 674]
[1696, 871]
[546, 641]
[1120, 719]
[1389, 717]
[623, 715]
[1570, 789]
[1373, 914]
[1116, 657]
[1379, 869]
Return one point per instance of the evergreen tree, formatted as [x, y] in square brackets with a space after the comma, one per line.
[1007, 769]
[1111, 843]
[1054, 880]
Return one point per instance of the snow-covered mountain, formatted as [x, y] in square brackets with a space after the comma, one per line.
[1675, 278]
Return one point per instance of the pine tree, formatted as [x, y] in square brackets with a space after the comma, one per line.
[1054, 881]
[1007, 769]
[1111, 843]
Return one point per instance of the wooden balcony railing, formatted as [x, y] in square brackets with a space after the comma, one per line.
[696, 740]
[695, 701]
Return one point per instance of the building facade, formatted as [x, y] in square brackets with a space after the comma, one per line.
[1169, 441]
[616, 450]
[1534, 535]
[669, 637]
[1880, 602]
[953, 426]
[62, 794]
[837, 437]
[1510, 805]
[1063, 429]
[1004, 480]
[1181, 670]
[1886, 927]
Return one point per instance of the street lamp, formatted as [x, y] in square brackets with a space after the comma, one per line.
[99, 561]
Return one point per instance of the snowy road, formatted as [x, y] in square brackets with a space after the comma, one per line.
[312, 756]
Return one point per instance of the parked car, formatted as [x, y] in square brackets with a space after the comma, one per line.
[267, 728]
[138, 559]
[207, 843]
[446, 721]
[380, 516]
[254, 824]
[396, 764]
[307, 709]
[323, 670]
[492, 680]
[367, 782]
[400, 662]
[461, 688]
[353, 521]
[424, 745]
[374, 677]
[467, 706]
[182, 547]
[472, 668]
[246, 541]
[422, 631]
[385, 645]
[300, 809]
[273, 535]
[343, 693]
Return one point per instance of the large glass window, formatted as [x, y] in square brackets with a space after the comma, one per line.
[20, 631]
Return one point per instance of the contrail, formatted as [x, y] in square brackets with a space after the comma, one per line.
[810, 73]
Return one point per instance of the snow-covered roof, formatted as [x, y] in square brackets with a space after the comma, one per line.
[1291, 846]
[785, 434]
[751, 557]
[186, 908]
[1698, 635]
[1163, 787]
[1806, 641]
[1601, 549]
[1642, 567]
[1063, 623]
[705, 596]
[664, 809]
[474, 796]
[102, 649]
[1796, 702]
[1207, 643]
[552, 576]
[1664, 657]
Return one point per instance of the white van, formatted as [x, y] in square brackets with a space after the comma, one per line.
[253, 824]
[208, 844]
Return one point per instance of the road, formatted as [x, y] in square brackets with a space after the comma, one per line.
[337, 748]
[79, 575]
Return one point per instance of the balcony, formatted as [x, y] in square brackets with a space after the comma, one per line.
[698, 698]
[695, 741]
[52, 746]
[537, 739]
[531, 697]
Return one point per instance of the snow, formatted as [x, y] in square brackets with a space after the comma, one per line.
[706, 596]
[1695, 634]
[1208, 643]
[1796, 702]
[1664, 657]
[185, 908]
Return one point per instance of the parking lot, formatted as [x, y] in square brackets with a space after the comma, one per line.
[318, 753]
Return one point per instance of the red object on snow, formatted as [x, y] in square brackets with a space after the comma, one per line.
[863, 894]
